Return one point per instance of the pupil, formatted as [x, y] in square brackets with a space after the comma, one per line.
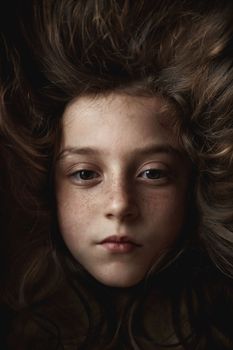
[86, 174]
[153, 174]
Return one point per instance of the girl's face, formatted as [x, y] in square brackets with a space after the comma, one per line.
[121, 186]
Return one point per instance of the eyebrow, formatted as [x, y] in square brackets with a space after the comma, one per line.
[145, 151]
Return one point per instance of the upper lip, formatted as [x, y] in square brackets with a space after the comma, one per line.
[120, 239]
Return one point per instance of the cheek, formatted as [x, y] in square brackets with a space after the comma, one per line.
[72, 226]
[72, 213]
[165, 201]
[166, 210]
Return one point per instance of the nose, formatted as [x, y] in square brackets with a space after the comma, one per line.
[122, 204]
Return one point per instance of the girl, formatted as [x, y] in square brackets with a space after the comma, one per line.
[129, 116]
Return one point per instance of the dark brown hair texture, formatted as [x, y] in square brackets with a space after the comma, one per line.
[180, 50]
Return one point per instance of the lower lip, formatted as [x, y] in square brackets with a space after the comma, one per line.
[115, 247]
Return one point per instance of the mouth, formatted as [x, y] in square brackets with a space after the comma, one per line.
[116, 244]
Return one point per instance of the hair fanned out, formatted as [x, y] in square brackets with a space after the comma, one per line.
[180, 50]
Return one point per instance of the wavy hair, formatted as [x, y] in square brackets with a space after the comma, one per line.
[180, 50]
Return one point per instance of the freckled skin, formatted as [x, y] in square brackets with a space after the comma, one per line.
[120, 198]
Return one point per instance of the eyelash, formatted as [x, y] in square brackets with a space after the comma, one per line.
[160, 176]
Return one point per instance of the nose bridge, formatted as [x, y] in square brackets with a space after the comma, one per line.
[119, 189]
[121, 199]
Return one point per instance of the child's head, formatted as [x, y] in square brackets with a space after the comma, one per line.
[118, 128]
[122, 180]
[115, 78]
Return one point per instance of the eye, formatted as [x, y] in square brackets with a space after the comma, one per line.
[157, 175]
[84, 175]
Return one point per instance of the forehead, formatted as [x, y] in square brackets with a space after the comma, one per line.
[119, 116]
[158, 106]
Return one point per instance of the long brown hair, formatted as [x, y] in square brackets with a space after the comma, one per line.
[180, 50]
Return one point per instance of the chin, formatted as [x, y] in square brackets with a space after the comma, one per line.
[120, 282]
